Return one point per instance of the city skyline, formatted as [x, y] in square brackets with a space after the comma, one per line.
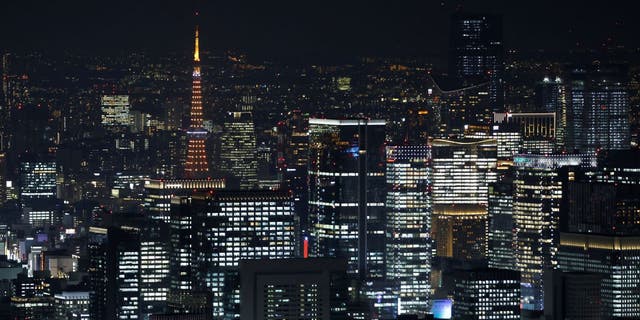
[483, 183]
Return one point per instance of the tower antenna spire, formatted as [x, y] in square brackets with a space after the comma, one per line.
[196, 51]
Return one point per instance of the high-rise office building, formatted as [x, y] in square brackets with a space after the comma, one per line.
[500, 254]
[460, 108]
[115, 112]
[313, 288]
[158, 193]
[238, 157]
[38, 191]
[197, 164]
[211, 233]
[72, 305]
[486, 294]
[600, 233]
[408, 226]
[551, 96]
[537, 130]
[462, 172]
[598, 112]
[114, 274]
[572, 295]
[477, 53]
[347, 191]
[537, 195]
[292, 158]
[615, 259]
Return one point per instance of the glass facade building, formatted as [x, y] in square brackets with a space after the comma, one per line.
[408, 231]
[598, 113]
[347, 193]
[537, 196]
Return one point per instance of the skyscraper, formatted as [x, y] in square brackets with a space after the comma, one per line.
[537, 195]
[197, 165]
[211, 232]
[477, 53]
[115, 112]
[238, 156]
[114, 274]
[600, 233]
[462, 172]
[598, 113]
[408, 226]
[500, 231]
[486, 294]
[38, 191]
[314, 288]
[537, 130]
[551, 96]
[347, 191]
[292, 158]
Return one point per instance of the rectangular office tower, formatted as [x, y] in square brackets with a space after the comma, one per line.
[486, 294]
[211, 233]
[537, 131]
[477, 53]
[500, 253]
[598, 113]
[347, 193]
[551, 96]
[601, 233]
[408, 231]
[462, 172]
[38, 191]
[537, 196]
[314, 288]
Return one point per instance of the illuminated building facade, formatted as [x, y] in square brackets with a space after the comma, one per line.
[477, 54]
[551, 96]
[238, 155]
[347, 193]
[598, 113]
[600, 231]
[459, 108]
[197, 164]
[509, 142]
[486, 294]
[38, 191]
[616, 259]
[158, 193]
[313, 288]
[114, 274]
[462, 172]
[460, 231]
[292, 158]
[537, 130]
[72, 305]
[537, 196]
[115, 112]
[408, 226]
[212, 232]
[500, 253]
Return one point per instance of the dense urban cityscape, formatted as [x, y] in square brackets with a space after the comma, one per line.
[485, 182]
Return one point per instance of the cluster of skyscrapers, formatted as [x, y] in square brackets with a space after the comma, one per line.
[463, 208]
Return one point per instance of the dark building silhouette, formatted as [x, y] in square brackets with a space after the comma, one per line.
[477, 54]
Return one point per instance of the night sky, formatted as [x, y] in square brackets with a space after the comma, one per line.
[286, 29]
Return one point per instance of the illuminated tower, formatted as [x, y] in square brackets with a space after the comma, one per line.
[196, 166]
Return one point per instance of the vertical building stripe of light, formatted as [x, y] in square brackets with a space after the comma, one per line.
[408, 245]
[196, 165]
[537, 194]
